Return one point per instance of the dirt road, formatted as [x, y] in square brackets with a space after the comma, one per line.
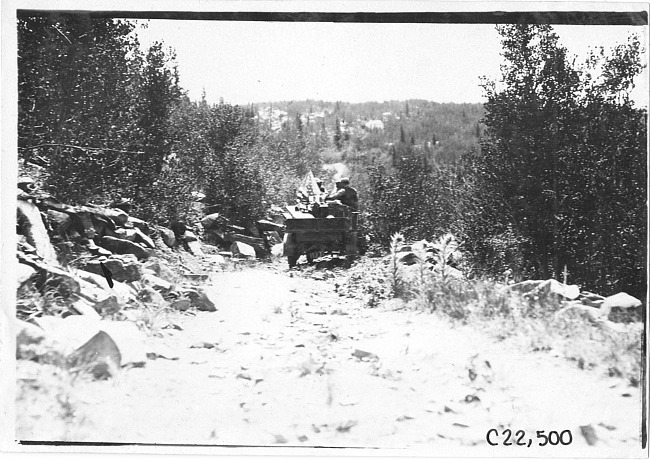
[285, 361]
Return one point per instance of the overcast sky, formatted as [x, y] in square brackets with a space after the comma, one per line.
[244, 62]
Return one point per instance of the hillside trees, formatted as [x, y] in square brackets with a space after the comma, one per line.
[546, 187]
[158, 93]
[93, 109]
[76, 86]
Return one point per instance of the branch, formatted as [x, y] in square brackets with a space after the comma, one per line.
[77, 147]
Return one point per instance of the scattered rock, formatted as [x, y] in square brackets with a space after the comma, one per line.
[240, 249]
[545, 288]
[167, 236]
[194, 247]
[52, 277]
[124, 292]
[139, 224]
[589, 433]
[100, 356]
[215, 220]
[83, 307]
[363, 354]
[181, 304]
[150, 295]
[621, 300]
[116, 215]
[623, 308]
[140, 237]
[207, 345]
[200, 300]
[122, 269]
[160, 269]
[108, 306]
[126, 233]
[60, 222]
[157, 283]
[179, 228]
[216, 259]
[345, 427]
[189, 236]
[120, 246]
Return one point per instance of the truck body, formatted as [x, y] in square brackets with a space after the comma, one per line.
[326, 229]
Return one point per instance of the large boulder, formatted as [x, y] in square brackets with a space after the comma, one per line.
[214, 221]
[100, 356]
[120, 246]
[69, 335]
[546, 288]
[194, 247]
[118, 216]
[622, 307]
[198, 299]
[179, 228]
[121, 268]
[141, 238]
[140, 224]
[30, 224]
[60, 222]
[168, 236]
[189, 236]
[126, 233]
[123, 291]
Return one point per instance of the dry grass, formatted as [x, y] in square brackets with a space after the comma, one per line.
[535, 325]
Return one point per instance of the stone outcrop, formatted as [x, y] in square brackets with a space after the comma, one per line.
[121, 246]
[122, 268]
[30, 224]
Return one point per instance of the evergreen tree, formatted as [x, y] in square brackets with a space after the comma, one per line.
[337, 133]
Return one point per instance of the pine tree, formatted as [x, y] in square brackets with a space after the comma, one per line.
[337, 133]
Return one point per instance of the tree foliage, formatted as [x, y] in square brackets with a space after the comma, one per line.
[547, 188]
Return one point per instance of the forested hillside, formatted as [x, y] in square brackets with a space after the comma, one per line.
[548, 178]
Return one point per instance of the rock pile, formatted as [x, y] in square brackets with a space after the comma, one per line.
[620, 307]
[259, 241]
[85, 276]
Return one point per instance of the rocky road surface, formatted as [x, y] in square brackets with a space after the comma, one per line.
[285, 361]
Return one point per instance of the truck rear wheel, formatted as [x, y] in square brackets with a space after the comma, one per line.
[291, 249]
[292, 259]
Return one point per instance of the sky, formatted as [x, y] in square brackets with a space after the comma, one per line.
[255, 62]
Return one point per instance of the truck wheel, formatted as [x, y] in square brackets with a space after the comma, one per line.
[291, 249]
[292, 260]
